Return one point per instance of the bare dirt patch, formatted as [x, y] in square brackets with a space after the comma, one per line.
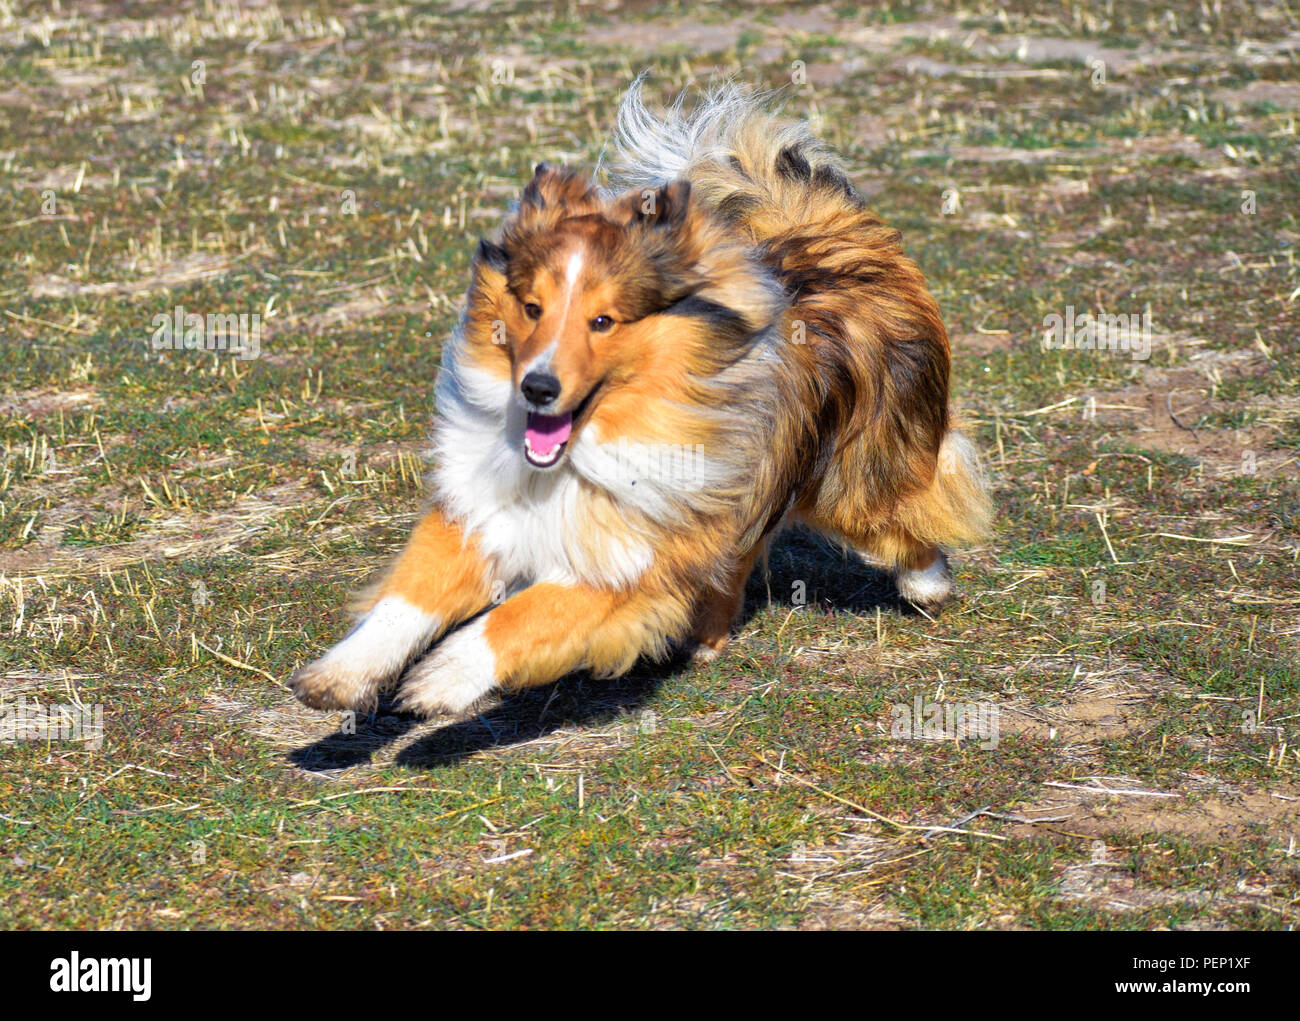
[174, 273]
[980, 343]
[358, 309]
[1112, 887]
[38, 403]
[1282, 94]
[1088, 809]
[181, 535]
[1095, 716]
[1164, 411]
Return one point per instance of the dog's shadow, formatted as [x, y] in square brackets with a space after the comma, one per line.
[803, 570]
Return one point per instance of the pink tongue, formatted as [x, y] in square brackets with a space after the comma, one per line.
[546, 432]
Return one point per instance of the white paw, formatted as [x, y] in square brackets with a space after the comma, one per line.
[705, 654]
[929, 588]
[383, 641]
[454, 676]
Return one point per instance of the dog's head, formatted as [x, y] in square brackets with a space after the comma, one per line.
[569, 302]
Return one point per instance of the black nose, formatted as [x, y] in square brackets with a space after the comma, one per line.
[540, 388]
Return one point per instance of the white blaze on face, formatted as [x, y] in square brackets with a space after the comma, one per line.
[572, 272]
[545, 436]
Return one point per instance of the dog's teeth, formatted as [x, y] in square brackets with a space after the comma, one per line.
[541, 460]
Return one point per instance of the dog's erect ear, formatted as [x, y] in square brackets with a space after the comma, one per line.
[535, 193]
[671, 204]
[553, 187]
[658, 207]
[492, 255]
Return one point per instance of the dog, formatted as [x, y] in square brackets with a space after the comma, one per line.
[647, 382]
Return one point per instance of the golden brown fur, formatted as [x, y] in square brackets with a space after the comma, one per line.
[737, 302]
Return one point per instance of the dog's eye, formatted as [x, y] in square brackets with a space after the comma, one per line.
[532, 310]
[601, 323]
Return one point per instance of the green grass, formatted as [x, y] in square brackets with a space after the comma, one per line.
[179, 530]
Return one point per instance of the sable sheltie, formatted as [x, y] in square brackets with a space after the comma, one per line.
[645, 385]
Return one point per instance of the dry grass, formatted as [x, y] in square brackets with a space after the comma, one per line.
[178, 529]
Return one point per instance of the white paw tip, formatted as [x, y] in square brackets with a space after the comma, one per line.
[931, 586]
[454, 676]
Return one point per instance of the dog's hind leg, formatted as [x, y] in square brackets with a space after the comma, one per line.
[926, 585]
[539, 635]
[439, 580]
[717, 609]
[905, 533]
[920, 569]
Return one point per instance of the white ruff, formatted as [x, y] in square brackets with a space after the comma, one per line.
[660, 481]
[532, 523]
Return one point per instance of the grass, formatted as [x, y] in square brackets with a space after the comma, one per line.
[179, 529]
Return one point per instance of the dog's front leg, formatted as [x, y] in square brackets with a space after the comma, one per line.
[538, 636]
[439, 580]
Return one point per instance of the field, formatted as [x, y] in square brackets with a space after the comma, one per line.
[179, 528]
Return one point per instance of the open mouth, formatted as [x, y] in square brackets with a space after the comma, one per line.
[547, 436]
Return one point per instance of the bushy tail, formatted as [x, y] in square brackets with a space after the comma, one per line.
[956, 509]
[758, 167]
[771, 177]
[653, 150]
